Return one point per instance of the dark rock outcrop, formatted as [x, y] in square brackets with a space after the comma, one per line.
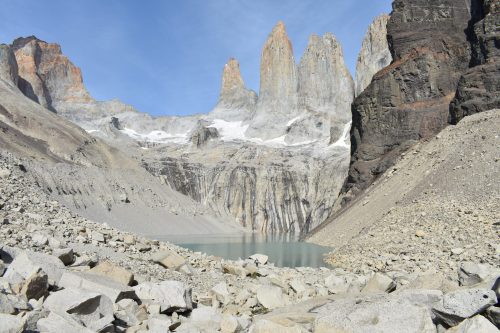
[479, 86]
[409, 100]
[202, 134]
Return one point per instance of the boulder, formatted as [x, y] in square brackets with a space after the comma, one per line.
[268, 326]
[93, 310]
[109, 270]
[98, 236]
[126, 312]
[159, 323]
[229, 324]
[66, 255]
[270, 297]
[39, 240]
[6, 305]
[234, 269]
[11, 324]
[379, 283]
[377, 313]
[220, 292]
[493, 314]
[169, 259]
[36, 285]
[336, 284]
[476, 324]
[206, 318]
[171, 295]
[462, 304]
[471, 273]
[28, 263]
[260, 259]
[97, 283]
[56, 323]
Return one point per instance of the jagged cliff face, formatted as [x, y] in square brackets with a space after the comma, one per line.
[374, 55]
[47, 76]
[409, 100]
[479, 86]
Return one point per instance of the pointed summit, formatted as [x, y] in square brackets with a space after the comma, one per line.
[236, 102]
[231, 77]
[325, 83]
[278, 73]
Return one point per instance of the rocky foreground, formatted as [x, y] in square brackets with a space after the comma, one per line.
[63, 273]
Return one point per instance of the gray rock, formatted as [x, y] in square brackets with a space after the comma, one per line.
[206, 318]
[98, 236]
[374, 55]
[271, 297]
[159, 323]
[493, 314]
[476, 324]
[93, 310]
[379, 283]
[11, 324]
[126, 312]
[336, 284]
[220, 292]
[36, 285]
[260, 259]
[66, 255]
[116, 273]
[464, 303]
[6, 305]
[171, 295]
[28, 263]
[473, 273]
[57, 323]
[96, 283]
[2, 267]
[39, 239]
[169, 259]
[374, 313]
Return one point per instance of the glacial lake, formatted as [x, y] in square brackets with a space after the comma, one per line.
[283, 250]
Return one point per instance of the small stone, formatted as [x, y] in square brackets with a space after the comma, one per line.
[129, 239]
[229, 324]
[420, 233]
[457, 251]
[39, 240]
[169, 259]
[379, 283]
[97, 236]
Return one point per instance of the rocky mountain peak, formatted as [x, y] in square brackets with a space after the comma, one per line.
[47, 76]
[324, 80]
[278, 73]
[231, 77]
[374, 55]
[236, 102]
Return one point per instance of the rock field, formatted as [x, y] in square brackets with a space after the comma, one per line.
[63, 273]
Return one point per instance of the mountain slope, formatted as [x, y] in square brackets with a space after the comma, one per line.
[88, 175]
[439, 204]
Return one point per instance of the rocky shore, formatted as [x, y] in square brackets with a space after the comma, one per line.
[61, 272]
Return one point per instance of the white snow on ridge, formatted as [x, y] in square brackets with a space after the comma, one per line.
[343, 140]
[157, 136]
[230, 130]
[293, 120]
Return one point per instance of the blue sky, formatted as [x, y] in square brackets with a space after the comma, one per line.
[166, 57]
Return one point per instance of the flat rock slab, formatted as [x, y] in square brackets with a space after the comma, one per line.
[171, 295]
[56, 323]
[462, 304]
[92, 309]
[271, 297]
[96, 283]
[110, 270]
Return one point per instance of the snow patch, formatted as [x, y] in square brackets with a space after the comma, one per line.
[230, 130]
[157, 136]
[343, 140]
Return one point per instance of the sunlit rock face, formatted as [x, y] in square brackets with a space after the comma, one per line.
[374, 55]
